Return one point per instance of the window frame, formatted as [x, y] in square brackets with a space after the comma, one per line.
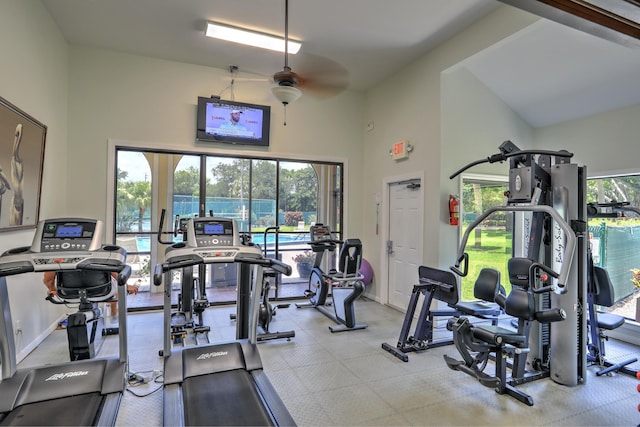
[114, 146]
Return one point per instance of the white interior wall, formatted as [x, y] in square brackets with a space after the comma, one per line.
[126, 97]
[407, 105]
[33, 77]
[606, 143]
[475, 119]
[474, 124]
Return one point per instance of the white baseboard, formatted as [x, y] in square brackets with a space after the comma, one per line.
[371, 297]
[36, 342]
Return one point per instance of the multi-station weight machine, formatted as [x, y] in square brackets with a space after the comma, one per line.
[547, 199]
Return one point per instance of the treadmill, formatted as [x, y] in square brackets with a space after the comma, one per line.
[222, 383]
[86, 392]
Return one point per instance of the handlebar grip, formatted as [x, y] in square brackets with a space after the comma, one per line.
[176, 225]
[281, 267]
[551, 315]
[157, 275]
[181, 263]
[18, 267]
[102, 267]
[251, 259]
[464, 258]
[124, 275]
[542, 290]
[546, 269]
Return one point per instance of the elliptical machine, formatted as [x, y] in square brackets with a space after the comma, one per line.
[346, 284]
[192, 300]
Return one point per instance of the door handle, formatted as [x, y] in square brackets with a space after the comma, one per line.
[389, 247]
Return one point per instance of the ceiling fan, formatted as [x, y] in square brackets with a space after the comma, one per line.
[320, 77]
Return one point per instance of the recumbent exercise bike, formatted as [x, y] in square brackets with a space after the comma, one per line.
[345, 284]
[87, 288]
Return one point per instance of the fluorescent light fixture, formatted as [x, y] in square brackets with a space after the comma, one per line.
[251, 38]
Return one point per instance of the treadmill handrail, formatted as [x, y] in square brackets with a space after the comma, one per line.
[568, 232]
[254, 258]
[182, 261]
[13, 263]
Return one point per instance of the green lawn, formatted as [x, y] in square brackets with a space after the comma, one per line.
[492, 249]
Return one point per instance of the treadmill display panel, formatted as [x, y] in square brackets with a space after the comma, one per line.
[211, 229]
[67, 235]
[65, 231]
[213, 232]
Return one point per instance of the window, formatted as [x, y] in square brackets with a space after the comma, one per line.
[259, 193]
[615, 240]
[489, 244]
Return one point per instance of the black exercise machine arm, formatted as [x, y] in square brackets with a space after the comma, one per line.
[324, 245]
[509, 149]
[267, 230]
[593, 209]
[161, 225]
[257, 259]
[533, 274]
[568, 232]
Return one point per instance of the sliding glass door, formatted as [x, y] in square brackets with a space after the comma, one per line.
[274, 201]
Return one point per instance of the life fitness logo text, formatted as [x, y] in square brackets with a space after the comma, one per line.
[64, 375]
[206, 356]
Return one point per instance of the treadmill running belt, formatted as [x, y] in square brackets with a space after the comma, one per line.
[224, 399]
[80, 410]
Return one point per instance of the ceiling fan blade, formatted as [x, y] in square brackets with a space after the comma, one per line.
[321, 77]
[248, 79]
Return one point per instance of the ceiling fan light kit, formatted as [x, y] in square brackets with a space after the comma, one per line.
[286, 94]
[250, 38]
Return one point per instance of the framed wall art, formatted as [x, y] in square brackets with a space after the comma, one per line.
[22, 141]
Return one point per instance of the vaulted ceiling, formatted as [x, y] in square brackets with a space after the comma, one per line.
[547, 73]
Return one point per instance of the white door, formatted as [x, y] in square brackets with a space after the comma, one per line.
[404, 245]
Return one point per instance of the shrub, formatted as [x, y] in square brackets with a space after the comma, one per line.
[293, 217]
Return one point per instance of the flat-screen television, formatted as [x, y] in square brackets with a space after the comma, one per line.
[233, 122]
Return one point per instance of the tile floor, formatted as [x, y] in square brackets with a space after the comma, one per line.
[346, 379]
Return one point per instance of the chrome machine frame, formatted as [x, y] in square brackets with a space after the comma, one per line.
[539, 190]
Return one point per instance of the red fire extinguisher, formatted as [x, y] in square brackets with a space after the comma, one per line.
[454, 210]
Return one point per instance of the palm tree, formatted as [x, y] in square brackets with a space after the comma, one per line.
[140, 192]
